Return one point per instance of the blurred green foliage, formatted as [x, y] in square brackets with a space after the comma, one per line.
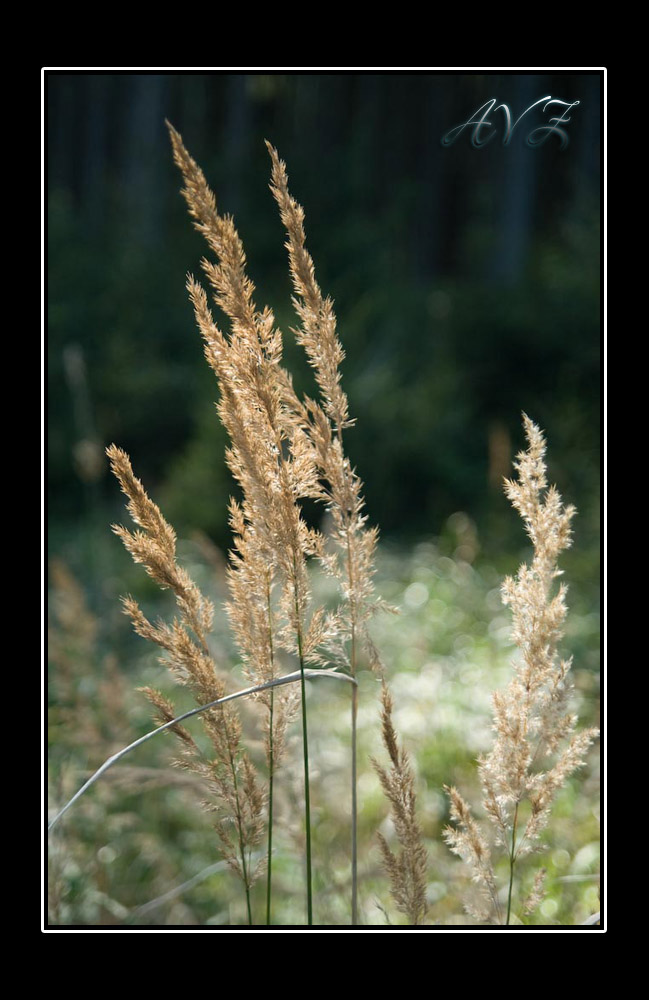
[466, 281]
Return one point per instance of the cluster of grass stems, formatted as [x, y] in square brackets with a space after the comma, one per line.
[285, 450]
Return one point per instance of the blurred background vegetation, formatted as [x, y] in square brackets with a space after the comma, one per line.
[466, 284]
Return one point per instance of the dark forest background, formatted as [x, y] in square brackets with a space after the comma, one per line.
[466, 284]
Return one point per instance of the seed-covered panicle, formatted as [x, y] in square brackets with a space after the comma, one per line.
[230, 772]
[535, 747]
[318, 331]
[351, 556]
[270, 455]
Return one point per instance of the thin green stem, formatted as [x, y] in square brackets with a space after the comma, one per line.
[354, 811]
[270, 811]
[305, 743]
[512, 859]
[352, 666]
[354, 706]
[271, 756]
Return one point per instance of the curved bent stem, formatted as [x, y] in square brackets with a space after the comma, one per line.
[296, 676]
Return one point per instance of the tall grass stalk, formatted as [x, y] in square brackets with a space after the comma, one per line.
[283, 451]
[531, 721]
[272, 457]
[350, 559]
[307, 786]
[271, 762]
[229, 772]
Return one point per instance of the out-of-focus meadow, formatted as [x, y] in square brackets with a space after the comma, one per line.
[466, 284]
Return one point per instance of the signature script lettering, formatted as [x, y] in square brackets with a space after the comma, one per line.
[479, 123]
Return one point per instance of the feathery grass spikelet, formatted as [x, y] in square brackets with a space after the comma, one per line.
[406, 870]
[468, 842]
[537, 892]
